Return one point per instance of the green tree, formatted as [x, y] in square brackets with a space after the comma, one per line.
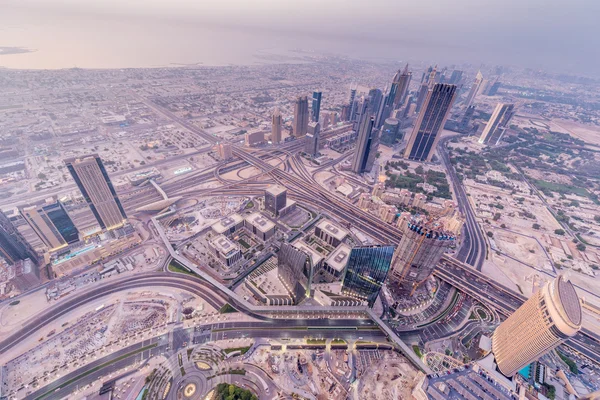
[581, 247]
[490, 234]
[536, 226]
[559, 231]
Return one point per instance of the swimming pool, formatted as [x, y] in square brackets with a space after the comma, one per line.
[526, 371]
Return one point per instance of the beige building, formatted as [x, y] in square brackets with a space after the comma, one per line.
[548, 318]
[91, 177]
[276, 127]
[254, 137]
[225, 151]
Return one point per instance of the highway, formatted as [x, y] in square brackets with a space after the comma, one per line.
[474, 246]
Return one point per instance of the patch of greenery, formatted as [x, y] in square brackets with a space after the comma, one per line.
[175, 266]
[242, 350]
[227, 308]
[225, 391]
[569, 362]
[14, 302]
[417, 351]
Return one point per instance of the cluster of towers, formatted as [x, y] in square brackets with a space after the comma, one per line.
[51, 221]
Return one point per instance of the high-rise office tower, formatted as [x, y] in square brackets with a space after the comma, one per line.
[366, 142]
[52, 224]
[402, 80]
[94, 184]
[225, 151]
[474, 89]
[420, 249]
[426, 75]
[433, 76]
[466, 119]
[422, 96]
[456, 77]
[407, 107]
[375, 99]
[300, 116]
[366, 270]
[316, 105]
[13, 246]
[494, 88]
[496, 126]
[311, 145]
[430, 122]
[548, 318]
[352, 94]
[276, 126]
[345, 112]
[295, 270]
[275, 199]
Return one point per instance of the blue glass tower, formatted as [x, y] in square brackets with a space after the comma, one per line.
[366, 271]
[316, 105]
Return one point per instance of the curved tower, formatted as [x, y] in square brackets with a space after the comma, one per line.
[419, 251]
[548, 318]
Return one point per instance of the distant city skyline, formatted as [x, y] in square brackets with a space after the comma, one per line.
[552, 40]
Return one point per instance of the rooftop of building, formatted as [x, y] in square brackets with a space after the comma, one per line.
[332, 229]
[261, 222]
[315, 257]
[224, 224]
[569, 300]
[223, 245]
[339, 257]
[275, 190]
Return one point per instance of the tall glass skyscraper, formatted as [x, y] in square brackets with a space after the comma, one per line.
[430, 122]
[94, 184]
[13, 246]
[366, 271]
[316, 105]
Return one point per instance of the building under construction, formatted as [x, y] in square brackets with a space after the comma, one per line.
[419, 251]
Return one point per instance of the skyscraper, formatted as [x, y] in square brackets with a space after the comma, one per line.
[466, 119]
[474, 89]
[295, 270]
[366, 142]
[225, 151]
[402, 81]
[311, 146]
[375, 99]
[430, 122]
[494, 88]
[548, 318]
[94, 184]
[300, 116]
[276, 126]
[456, 77]
[275, 199]
[316, 105]
[366, 271]
[496, 126]
[420, 249]
[422, 96]
[13, 246]
[52, 224]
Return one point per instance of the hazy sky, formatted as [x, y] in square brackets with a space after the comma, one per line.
[558, 35]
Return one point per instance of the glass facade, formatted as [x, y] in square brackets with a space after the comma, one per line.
[294, 269]
[13, 247]
[366, 271]
[63, 223]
